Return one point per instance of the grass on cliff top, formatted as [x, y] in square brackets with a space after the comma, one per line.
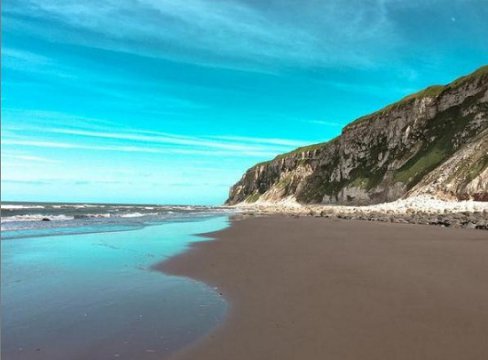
[431, 91]
[303, 149]
[460, 81]
[297, 151]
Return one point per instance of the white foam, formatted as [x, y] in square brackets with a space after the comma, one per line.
[101, 215]
[15, 207]
[83, 206]
[36, 217]
[136, 214]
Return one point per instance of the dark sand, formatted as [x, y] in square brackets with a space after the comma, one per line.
[312, 288]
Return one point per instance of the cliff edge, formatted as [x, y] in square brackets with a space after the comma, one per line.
[433, 142]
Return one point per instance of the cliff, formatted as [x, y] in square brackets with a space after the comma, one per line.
[432, 142]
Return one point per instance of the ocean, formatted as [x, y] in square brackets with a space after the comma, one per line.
[77, 281]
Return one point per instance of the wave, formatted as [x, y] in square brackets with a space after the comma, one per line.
[93, 216]
[36, 217]
[46, 217]
[33, 217]
[136, 214]
[17, 207]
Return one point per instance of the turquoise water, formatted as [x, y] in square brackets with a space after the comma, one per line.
[94, 296]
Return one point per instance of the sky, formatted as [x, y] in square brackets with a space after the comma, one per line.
[169, 102]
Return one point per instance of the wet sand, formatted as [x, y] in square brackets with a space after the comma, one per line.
[314, 288]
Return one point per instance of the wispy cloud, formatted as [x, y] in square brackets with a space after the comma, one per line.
[144, 141]
[43, 118]
[29, 158]
[228, 150]
[156, 137]
[31, 62]
[226, 33]
[170, 92]
[259, 140]
[109, 86]
[65, 145]
[324, 122]
[24, 182]
[24, 56]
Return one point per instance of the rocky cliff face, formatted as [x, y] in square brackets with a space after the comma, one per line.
[433, 142]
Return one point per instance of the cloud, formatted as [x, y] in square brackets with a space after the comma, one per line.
[226, 150]
[52, 70]
[155, 137]
[101, 138]
[24, 182]
[271, 141]
[53, 181]
[44, 118]
[31, 62]
[325, 123]
[226, 33]
[24, 56]
[30, 158]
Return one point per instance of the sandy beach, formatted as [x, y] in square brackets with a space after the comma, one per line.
[316, 288]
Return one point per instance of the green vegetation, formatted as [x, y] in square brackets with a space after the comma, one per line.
[367, 177]
[284, 182]
[431, 91]
[318, 183]
[299, 150]
[438, 145]
[359, 182]
[253, 198]
[482, 71]
[305, 149]
[366, 174]
[317, 188]
[420, 164]
[438, 141]
[477, 169]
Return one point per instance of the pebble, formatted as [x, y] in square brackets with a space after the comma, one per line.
[420, 210]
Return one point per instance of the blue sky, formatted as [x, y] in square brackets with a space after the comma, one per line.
[158, 101]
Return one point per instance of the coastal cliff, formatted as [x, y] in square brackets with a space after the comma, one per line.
[433, 142]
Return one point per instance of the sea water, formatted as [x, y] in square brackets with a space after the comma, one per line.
[90, 293]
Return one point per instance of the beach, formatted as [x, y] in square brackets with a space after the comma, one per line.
[318, 288]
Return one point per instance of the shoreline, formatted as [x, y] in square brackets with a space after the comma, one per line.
[105, 302]
[422, 210]
[310, 288]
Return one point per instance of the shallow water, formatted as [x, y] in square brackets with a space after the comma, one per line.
[44, 219]
[93, 296]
